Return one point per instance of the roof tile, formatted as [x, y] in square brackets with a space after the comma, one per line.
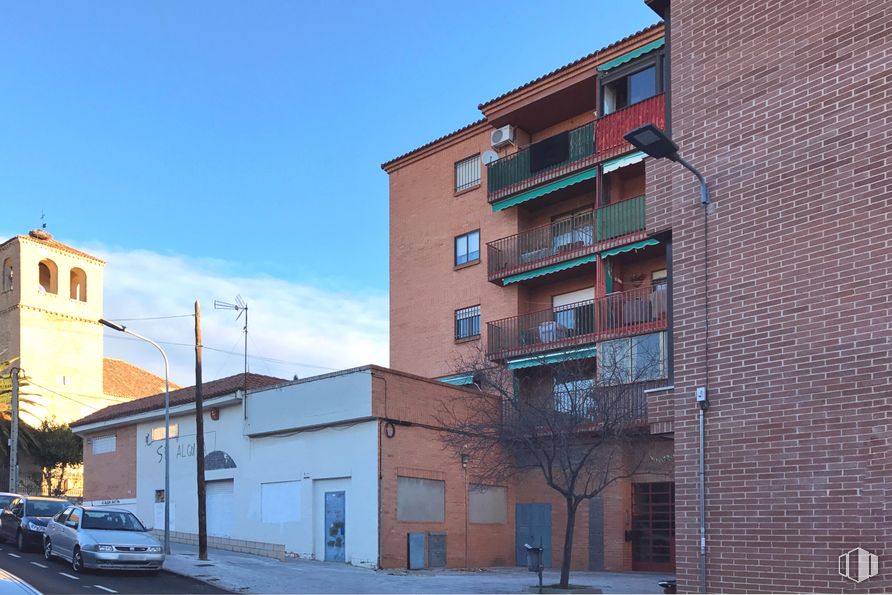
[123, 379]
[214, 388]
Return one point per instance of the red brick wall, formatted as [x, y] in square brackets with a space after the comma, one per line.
[111, 475]
[418, 450]
[784, 107]
[425, 291]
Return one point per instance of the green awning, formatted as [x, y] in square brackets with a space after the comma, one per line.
[628, 57]
[561, 266]
[458, 379]
[545, 189]
[623, 161]
[630, 247]
[552, 358]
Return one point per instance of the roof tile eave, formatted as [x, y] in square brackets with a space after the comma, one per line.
[55, 245]
[569, 65]
[387, 164]
[182, 396]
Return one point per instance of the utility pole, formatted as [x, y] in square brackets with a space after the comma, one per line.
[199, 443]
[14, 434]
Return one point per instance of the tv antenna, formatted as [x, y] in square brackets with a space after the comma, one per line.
[240, 306]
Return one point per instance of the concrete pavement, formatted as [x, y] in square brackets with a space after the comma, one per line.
[243, 573]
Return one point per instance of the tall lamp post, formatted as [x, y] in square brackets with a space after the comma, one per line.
[656, 144]
[123, 329]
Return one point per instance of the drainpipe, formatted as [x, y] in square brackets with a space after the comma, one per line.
[703, 405]
[701, 394]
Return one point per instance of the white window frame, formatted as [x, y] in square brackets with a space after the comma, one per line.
[158, 432]
[104, 444]
[466, 239]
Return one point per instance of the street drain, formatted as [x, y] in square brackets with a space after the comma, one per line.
[206, 564]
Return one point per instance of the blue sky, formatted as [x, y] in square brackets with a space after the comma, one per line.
[251, 133]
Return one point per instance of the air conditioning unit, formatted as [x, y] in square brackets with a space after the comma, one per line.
[502, 136]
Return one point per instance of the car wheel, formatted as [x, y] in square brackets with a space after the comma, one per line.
[20, 541]
[77, 561]
[47, 550]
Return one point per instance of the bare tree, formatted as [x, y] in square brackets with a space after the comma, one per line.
[581, 426]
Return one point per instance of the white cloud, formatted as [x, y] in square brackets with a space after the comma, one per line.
[310, 330]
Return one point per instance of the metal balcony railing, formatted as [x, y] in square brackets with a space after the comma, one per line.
[541, 245]
[632, 312]
[617, 405]
[514, 173]
[564, 239]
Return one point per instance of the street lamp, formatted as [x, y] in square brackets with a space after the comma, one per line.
[123, 329]
[655, 143]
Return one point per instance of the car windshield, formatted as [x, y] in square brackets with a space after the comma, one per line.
[44, 507]
[111, 519]
[5, 500]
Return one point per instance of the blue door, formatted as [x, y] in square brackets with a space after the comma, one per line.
[334, 527]
[532, 525]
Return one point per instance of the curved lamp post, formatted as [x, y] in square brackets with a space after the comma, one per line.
[658, 145]
[123, 329]
[655, 143]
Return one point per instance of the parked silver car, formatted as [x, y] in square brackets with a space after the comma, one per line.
[99, 537]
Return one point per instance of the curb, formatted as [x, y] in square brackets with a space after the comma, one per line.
[207, 581]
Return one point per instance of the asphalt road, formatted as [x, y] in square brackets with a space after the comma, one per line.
[57, 577]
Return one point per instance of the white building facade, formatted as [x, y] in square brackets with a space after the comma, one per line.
[294, 464]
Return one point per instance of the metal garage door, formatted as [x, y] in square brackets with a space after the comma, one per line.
[219, 507]
[532, 525]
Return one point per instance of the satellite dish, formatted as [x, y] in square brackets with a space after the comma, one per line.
[489, 157]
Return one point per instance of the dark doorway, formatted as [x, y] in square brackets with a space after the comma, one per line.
[653, 526]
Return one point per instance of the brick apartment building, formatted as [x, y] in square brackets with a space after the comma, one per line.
[538, 230]
[553, 253]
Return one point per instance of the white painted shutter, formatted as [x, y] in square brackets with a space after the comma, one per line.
[219, 496]
[573, 297]
[104, 444]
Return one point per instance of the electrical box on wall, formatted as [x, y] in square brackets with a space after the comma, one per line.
[215, 413]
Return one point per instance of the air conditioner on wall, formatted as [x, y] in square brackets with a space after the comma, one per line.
[502, 136]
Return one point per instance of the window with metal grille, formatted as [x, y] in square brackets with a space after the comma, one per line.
[467, 248]
[467, 173]
[467, 322]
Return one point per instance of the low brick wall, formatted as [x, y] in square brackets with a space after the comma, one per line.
[256, 548]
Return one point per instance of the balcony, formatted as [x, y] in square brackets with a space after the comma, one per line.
[541, 162]
[624, 404]
[612, 127]
[633, 312]
[566, 239]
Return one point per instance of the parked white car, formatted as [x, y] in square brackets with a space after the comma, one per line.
[99, 537]
[10, 584]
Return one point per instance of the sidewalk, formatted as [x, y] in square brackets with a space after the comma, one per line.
[242, 573]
